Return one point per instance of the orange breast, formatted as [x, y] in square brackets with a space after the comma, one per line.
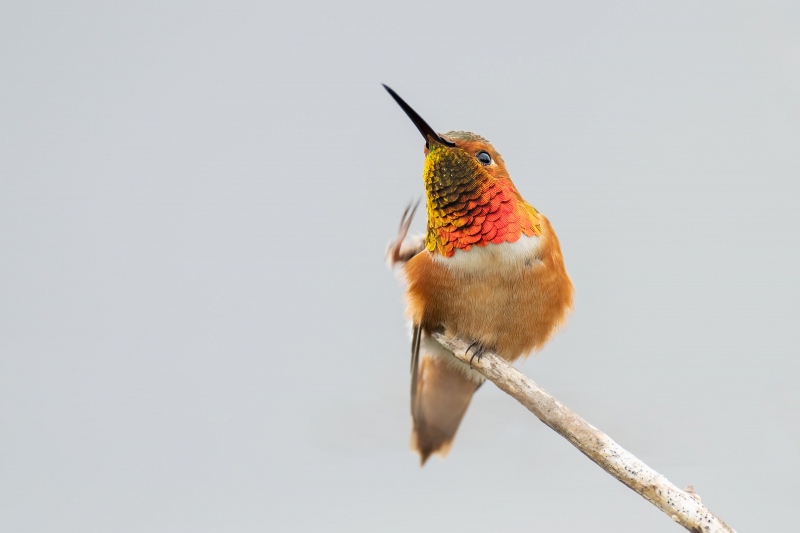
[510, 297]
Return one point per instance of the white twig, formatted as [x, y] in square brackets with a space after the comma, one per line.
[684, 507]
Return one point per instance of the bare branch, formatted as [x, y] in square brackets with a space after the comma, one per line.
[684, 507]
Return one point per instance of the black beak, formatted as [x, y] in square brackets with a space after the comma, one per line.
[421, 125]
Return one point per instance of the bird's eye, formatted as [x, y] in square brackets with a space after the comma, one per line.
[484, 158]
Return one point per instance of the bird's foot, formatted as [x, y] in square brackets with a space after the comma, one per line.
[478, 352]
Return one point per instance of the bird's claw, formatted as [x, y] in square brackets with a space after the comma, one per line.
[478, 352]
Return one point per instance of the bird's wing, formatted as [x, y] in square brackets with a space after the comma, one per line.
[416, 338]
[401, 249]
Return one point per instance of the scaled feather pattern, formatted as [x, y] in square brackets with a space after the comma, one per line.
[464, 211]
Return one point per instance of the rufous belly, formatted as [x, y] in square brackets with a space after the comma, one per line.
[509, 297]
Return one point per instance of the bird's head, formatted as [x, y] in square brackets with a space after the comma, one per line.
[470, 197]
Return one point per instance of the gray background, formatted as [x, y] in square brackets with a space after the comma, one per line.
[197, 329]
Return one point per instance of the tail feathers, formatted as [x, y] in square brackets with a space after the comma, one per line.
[442, 396]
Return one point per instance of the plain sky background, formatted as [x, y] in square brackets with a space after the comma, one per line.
[197, 329]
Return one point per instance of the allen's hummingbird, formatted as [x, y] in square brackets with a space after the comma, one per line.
[489, 270]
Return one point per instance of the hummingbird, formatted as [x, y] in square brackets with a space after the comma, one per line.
[489, 270]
